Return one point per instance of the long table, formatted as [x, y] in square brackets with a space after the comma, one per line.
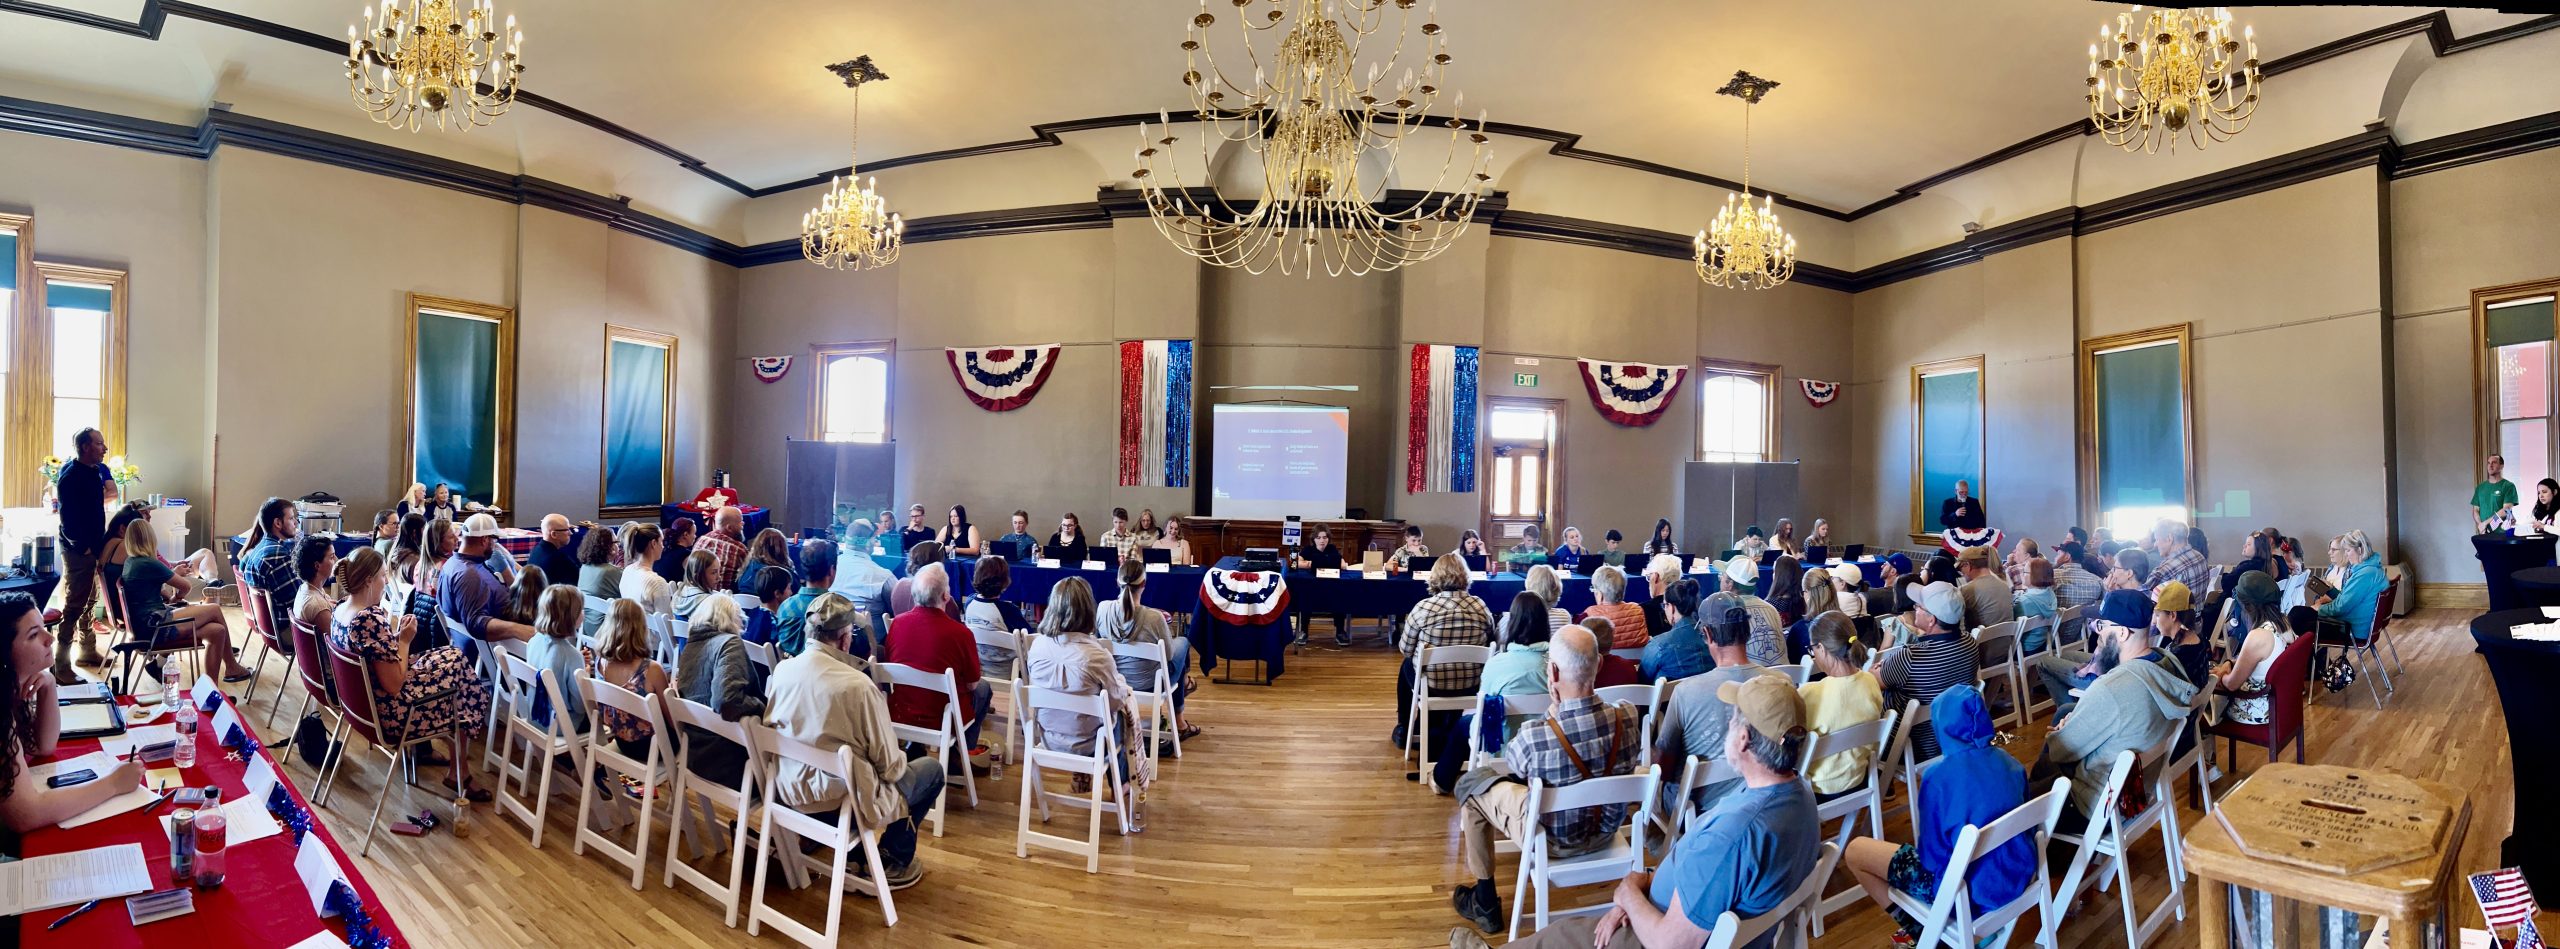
[260, 903]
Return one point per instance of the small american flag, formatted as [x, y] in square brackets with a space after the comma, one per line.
[2527, 936]
[2504, 898]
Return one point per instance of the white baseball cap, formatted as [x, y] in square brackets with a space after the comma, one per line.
[480, 525]
[1942, 601]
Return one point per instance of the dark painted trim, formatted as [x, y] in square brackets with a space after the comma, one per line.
[1637, 240]
[952, 227]
[2530, 134]
[102, 128]
[1044, 135]
[2370, 148]
[147, 26]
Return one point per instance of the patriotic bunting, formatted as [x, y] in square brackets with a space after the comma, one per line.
[769, 369]
[1244, 598]
[1633, 394]
[1440, 420]
[1818, 392]
[1955, 539]
[1155, 413]
[1002, 378]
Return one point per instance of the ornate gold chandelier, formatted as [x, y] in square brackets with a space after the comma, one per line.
[2180, 72]
[433, 59]
[1744, 246]
[1316, 126]
[851, 228]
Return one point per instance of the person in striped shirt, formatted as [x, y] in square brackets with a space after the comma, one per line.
[1940, 656]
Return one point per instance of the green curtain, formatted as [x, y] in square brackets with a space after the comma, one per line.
[68, 296]
[8, 260]
[2142, 445]
[2522, 323]
[457, 399]
[635, 413]
[1950, 436]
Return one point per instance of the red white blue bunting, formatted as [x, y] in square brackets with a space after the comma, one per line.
[1631, 393]
[1002, 378]
[770, 369]
[1244, 598]
[1954, 540]
[1818, 392]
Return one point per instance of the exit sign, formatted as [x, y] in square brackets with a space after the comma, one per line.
[1525, 380]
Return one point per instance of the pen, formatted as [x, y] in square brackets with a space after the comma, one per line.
[74, 914]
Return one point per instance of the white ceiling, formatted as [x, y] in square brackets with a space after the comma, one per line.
[1875, 93]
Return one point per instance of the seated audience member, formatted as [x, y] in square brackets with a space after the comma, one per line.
[555, 649]
[1681, 650]
[1820, 597]
[315, 561]
[413, 538]
[1752, 543]
[1772, 820]
[770, 551]
[902, 595]
[2258, 552]
[552, 554]
[524, 597]
[623, 657]
[2132, 705]
[1660, 542]
[434, 692]
[1471, 544]
[1848, 590]
[1412, 547]
[2173, 627]
[2180, 560]
[1659, 572]
[1066, 657]
[32, 726]
[931, 639]
[1124, 620]
[1786, 591]
[437, 543]
[1880, 596]
[958, 536]
[2132, 571]
[386, 530]
[1631, 628]
[1526, 553]
[2036, 599]
[825, 696]
[2072, 667]
[1520, 663]
[1988, 597]
[1450, 616]
[987, 612]
[1939, 655]
[149, 588]
[468, 593]
[1614, 669]
[195, 573]
[2244, 685]
[1972, 784]
[1569, 552]
[2355, 587]
[1579, 738]
[727, 545]
[1693, 721]
[267, 563]
[677, 544]
[640, 581]
[818, 564]
[598, 576]
[1847, 695]
[1543, 581]
[1174, 541]
[696, 588]
[1119, 538]
[914, 532]
[772, 587]
[713, 669]
[1611, 550]
[2014, 568]
[1068, 545]
[1019, 541]
[858, 577]
[1942, 569]
[1768, 629]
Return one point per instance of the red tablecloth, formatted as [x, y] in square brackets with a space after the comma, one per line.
[260, 902]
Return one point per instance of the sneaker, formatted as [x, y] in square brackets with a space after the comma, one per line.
[899, 877]
[1478, 908]
[1463, 938]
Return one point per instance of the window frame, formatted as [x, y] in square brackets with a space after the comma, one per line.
[823, 353]
[1550, 477]
[2183, 335]
[23, 450]
[2484, 412]
[1764, 373]
[405, 465]
[614, 333]
[114, 342]
[1920, 534]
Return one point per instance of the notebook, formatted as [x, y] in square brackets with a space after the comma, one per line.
[66, 879]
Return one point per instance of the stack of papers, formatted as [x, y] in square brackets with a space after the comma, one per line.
[2535, 632]
[65, 879]
[247, 819]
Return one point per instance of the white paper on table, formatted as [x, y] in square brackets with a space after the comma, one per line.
[64, 879]
[1159, 568]
[1047, 561]
[1328, 574]
[96, 761]
[318, 868]
[204, 686]
[1474, 575]
[259, 777]
[122, 746]
[1096, 565]
[323, 939]
[244, 820]
[2551, 612]
[135, 799]
[1380, 574]
[1701, 565]
[2536, 633]
[223, 719]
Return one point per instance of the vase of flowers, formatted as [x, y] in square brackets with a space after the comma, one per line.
[125, 473]
[50, 470]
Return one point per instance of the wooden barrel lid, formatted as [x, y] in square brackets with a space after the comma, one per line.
[2332, 819]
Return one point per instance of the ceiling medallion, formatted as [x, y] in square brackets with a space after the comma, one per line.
[1744, 246]
[2181, 73]
[1316, 127]
[851, 228]
[432, 59]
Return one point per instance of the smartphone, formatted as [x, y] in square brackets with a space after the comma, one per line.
[69, 778]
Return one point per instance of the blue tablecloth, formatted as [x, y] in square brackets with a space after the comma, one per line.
[757, 518]
[37, 585]
[1267, 644]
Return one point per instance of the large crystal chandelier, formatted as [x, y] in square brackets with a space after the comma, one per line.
[851, 228]
[433, 59]
[2183, 72]
[1315, 125]
[1744, 246]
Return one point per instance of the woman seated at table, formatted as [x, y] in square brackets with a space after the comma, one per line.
[1567, 557]
[1471, 544]
[1784, 539]
[769, 551]
[958, 536]
[315, 562]
[1124, 620]
[1142, 536]
[598, 577]
[1066, 657]
[148, 586]
[433, 692]
[1660, 542]
[640, 583]
[30, 727]
[1068, 545]
[1173, 540]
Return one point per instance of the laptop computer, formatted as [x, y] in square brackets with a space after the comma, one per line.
[1475, 562]
[1154, 555]
[1770, 556]
[1590, 564]
[1817, 555]
[1109, 557]
[1420, 564]
[1853, 552]
[1729, 553]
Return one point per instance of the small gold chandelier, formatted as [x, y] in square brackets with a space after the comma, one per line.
[851, 228]
[2180, 70]
[1744, 246]
[1315, 124]
[433, 59]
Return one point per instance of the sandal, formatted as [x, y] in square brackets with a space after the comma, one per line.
[243, 675]
[1189, 731]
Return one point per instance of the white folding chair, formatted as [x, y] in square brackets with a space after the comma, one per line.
[1900, 762]
[2199, 754]
[1875, 735]
[1541, 870]
[2027, 679]
[1949, 920]
[485, 664]
[2071, 625]
[747, 601]
[1640, 695]
[1152, 706]
[665, 633]
[540, 743]
[1518, 706]
[1099, 768]
[1796, 911]
[1007, 688]
[2009, 669]
[759, 653]
[2100, 850]
[592, 624]
[604, 754]
[1800, 673]
[782, 828]
[693, 722]
[1417, 721]
[1695, 775]
[943, 737]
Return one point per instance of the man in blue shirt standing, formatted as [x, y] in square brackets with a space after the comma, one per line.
[82, 489]
[1744, 857]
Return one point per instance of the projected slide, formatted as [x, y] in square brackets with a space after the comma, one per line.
[1272, 461]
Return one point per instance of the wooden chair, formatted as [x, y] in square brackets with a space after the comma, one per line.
[944, 737]
[782, 827]
[1876, 735]
[2288, 691]
[604, 754]
[1100, 768]
[1796, 910]
[355, 696]
[1541, 870]
[1418, 714]
[1950, 921]
[692, 722]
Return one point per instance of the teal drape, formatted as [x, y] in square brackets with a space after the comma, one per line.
[2522, 323]
[635, 415]
[1950, 435]
[9, 260]
[2142, 444]
[69, 296]
[457, 405]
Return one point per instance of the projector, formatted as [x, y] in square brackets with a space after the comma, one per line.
[1260, 559]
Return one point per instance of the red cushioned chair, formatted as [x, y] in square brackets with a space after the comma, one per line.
[311, 668]
[2288, 690]
[259, 607]
[358, 714]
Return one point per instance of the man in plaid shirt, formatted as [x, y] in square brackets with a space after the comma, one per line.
[1450, 616]
[1580, 738]
[2179, 561]
[727, 546]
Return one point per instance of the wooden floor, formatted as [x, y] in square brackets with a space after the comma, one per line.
[1291, 823]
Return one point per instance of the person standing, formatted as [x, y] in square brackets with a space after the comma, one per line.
[2492, 502]
[1964, 511]
[83, 489]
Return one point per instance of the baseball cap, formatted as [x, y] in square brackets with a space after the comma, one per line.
[1743, 571]
[1901, 562]
[480, 525]
[2126, 608]
[2256, 586]
[1723, 609]
[1974, 555]
[1942, 601]
[831, 612]
[2173, 597]
[1768, 703]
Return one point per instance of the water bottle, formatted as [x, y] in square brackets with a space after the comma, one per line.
[213, 830]
[169, 691]
[182, 846]
[186, 735]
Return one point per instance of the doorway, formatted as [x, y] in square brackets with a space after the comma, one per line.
[1524, 445]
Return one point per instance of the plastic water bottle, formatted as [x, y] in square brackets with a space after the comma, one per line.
[186, 735]
[213, 831]
[169, 691]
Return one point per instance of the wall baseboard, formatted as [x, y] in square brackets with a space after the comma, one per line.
[2465, 596]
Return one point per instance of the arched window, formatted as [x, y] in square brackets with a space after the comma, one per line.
[1736, 416]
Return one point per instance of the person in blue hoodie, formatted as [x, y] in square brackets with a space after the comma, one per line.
[2358, 590]
[1971, 784]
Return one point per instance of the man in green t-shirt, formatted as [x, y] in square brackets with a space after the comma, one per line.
[2492, 499]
